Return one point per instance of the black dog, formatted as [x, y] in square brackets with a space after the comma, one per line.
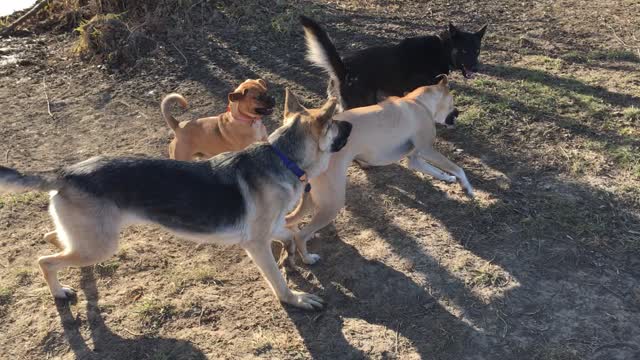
[372, 74]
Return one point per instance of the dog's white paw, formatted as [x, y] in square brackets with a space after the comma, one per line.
[305, 301]
[449, 178]
[65, 293]
[310, 259]
[469, 191]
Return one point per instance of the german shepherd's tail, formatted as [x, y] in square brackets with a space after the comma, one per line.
[321, 51]
[13, 181]
[165, 108]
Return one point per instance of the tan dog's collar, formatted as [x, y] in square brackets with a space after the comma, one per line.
[242, 118]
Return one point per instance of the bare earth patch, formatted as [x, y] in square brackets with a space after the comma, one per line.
[544, 264]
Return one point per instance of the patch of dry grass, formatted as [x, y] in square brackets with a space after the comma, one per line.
[23, 199]
[106, 269]
[187, 277]
[154, 313]
[552, 115]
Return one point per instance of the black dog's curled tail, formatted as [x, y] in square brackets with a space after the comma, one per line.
[321, 51]
[13, 181]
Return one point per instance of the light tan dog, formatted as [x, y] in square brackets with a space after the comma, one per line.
[233, 130]
[382, 134]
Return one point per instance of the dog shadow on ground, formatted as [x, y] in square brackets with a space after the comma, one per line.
[508, 72]
[363, 294]
[107, 344]
[523, 232]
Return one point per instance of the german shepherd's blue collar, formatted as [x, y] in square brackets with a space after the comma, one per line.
[233, 198]
[291, 165]
[369, 75]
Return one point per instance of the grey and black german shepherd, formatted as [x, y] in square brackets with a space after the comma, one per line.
[233, 198]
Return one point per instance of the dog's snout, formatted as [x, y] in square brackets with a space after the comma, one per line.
[451, 118]
[267, 100]
[344, 130]
[346, 127]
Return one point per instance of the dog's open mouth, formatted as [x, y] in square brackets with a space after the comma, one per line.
[263, 111]
[468, 74]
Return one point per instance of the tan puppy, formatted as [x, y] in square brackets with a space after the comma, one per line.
[234, 130]
[382, 134]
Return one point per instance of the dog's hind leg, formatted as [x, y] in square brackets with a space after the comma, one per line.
[90, 235]
[419, 164]
[260, 252]
[181, 151]
[328, 194]
[52, 238]
[172, 149]
[440, 161]
[305, 204]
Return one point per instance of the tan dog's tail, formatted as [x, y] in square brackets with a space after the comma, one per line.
[165, 108]
[305, 204]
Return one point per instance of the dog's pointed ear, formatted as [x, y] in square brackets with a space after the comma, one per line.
[262, 83]
[480, 33]
[453, 31]
[327, 110]
[443, 80]
[291, 103]
[237, 95]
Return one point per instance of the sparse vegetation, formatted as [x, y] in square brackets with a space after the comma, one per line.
[154, 313]
[183, 278]
[24, 277]
[107, 39]
[602, 55]
[6, 296]
[24, 199]
[106, 269]
[632, 113]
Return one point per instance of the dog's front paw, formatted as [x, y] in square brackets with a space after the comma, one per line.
[466, 186]
[305, 301]
[469, 191]
[310, 259]
[449, 178]
[65, 293]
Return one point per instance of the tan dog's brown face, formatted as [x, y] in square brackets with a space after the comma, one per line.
[251, 99]
[319, 135]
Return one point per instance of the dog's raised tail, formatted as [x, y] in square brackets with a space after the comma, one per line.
[13, 181]
[321, 51]
[165, 108]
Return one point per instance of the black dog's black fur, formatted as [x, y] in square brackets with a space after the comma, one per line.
[364, 77]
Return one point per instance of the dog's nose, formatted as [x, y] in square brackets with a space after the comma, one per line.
[451, 118]
[269, 101]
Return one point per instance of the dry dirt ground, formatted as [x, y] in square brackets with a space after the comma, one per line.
[544, 264]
